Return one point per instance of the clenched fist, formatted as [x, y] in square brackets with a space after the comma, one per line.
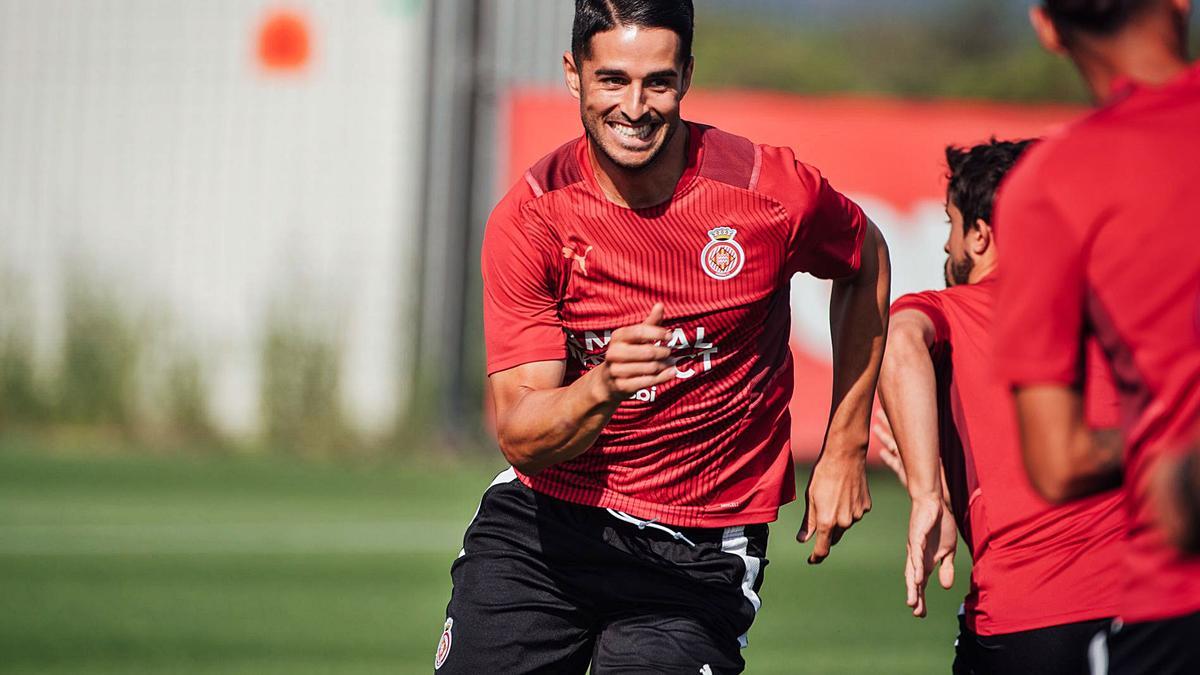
[636, 358]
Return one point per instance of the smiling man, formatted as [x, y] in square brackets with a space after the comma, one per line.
[637, 324]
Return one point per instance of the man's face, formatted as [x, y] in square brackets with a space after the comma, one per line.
[629, 92]
[958, 262]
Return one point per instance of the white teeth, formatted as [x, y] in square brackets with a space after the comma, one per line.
[641, 133]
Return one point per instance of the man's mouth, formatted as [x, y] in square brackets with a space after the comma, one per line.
[634, 132]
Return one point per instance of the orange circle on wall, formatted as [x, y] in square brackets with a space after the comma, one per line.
[283, 42]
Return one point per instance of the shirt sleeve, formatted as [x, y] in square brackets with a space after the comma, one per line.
[521, 321]
[829, 229]
[1039, 306]
[928, 303]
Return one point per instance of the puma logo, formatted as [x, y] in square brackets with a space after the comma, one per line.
[570, 254]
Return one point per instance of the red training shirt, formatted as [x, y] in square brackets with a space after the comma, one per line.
[563, 267]
[1098, 235]
[1035, 564]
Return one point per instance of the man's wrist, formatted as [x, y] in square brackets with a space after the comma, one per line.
[845, 448]
[601, 389]
[925, 498]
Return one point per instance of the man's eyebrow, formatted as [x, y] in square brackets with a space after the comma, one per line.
[616, 72]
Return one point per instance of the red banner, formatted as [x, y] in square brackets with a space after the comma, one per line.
[886, 154]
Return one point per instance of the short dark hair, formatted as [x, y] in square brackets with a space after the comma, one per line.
[976, 173]
[598, 16]
[1099, 17]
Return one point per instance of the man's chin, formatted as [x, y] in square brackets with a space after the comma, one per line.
[631, 161]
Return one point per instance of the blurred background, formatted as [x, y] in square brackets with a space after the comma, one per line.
[242, 409]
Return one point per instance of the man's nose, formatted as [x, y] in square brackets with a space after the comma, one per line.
[633, 104]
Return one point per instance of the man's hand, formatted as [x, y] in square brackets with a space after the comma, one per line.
[890, 451]
[836, 498]
[540, 422]
[636, 358]
[932, 539]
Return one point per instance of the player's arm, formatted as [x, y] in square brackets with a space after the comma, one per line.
[1176, 493]
[1065, 458]
[1039, 329]
[837, 495]
[540, 423]
[908, 391]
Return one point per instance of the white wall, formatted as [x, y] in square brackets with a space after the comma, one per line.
[142, 140]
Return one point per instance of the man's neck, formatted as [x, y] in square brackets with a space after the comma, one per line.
[1139, 55]
[647, 187]
[982, 269]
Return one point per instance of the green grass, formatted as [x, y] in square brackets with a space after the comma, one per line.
[134, 564]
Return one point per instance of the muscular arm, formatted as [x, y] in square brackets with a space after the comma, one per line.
[540, 423]
[837, 491]
[1065, 459]
[908, 391]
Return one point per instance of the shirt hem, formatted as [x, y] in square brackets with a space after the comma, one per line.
[521, 358]
[676, 516]
[1161, 614]
[989, 628]
[1022, 373]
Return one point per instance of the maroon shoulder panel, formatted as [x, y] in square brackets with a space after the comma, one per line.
[556, 170]
[727, 158]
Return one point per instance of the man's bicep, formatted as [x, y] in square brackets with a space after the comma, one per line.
[919, 321]
[510, 385]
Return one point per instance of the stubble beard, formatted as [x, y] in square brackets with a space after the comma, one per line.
[596, 129]
[958, 273]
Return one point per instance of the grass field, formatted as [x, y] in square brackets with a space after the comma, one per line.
[135, 564]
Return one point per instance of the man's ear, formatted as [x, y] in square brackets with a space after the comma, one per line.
[571, 74]
[1184, 7]
[981, 237]
[686, 83]
[1047, 33]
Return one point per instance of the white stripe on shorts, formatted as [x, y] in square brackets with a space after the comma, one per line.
[505, 476]
[735, 541]
[1098, 653]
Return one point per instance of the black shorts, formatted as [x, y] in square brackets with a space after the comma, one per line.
[1167, 647]
[547, 586]
[1053, 650]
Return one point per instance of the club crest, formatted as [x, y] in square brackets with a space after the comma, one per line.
[722, 257]
[443, 648]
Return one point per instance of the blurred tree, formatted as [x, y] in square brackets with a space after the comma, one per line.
[936, 48]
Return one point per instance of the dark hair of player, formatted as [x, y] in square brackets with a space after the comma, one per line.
[1099, 17]
[598, 16]
[976, 172]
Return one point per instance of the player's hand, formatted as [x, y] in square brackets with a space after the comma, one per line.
[889, 452]
[932, 539]
[836, 498]
[636, 358]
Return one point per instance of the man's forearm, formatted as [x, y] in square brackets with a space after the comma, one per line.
[908, 391]
[1065, 459]
[858, 321]
[549, 426]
